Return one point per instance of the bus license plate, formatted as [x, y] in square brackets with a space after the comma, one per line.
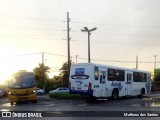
[22, 98]
[78, 88]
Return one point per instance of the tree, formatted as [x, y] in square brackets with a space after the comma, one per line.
[156, 81]
[64, 74]
[38, 71]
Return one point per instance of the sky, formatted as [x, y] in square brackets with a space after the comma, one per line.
[125, 29]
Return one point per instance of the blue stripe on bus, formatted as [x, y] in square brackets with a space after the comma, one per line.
[82, 92]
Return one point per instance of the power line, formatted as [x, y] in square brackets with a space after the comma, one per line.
[47, 29]
[120, 25]
[130, 34]
[98, 16]
[30, 18]
[25, 54]
[19, 27]
[56, 54]
[32, 38]
[121, 34]
[42, 34]
[117, 42]
[78, 22]
[74, 40]
[118, 61]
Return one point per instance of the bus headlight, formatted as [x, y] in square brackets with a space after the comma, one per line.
[34, 91]
[9, 93]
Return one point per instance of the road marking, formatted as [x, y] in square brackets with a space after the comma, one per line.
[50, 105]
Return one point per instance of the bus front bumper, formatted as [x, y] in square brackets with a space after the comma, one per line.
[12, 98]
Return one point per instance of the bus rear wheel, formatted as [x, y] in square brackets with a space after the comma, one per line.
[141, 93]
[115, 94]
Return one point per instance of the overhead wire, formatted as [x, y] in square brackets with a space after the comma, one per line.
[117, 25]
[31, 18]
[32, 38]
[20, 27]
[75, 22]
[109, 42]
[121, 34]
[118, 61]
[25, 54]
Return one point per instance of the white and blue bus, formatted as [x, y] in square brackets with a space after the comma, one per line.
[108, 81]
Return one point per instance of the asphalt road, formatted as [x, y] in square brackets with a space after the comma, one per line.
[123, 108]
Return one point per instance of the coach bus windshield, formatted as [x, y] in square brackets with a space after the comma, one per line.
[24, 80]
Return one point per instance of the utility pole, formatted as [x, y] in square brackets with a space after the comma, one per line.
[137, 62]
[68, 42]
[155, 61]
[43, 71]
[76, 58]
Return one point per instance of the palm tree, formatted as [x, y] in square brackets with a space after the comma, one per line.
[64, 73]
[38, 71]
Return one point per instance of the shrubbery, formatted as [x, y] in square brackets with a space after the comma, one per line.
[65, 96]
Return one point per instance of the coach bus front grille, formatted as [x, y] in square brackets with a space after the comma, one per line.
[22, 94]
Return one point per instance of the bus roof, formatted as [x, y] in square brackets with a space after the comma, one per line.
[102, 65]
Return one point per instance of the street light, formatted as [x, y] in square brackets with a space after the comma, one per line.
[89, 33]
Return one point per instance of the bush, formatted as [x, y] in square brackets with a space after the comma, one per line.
[64, 96]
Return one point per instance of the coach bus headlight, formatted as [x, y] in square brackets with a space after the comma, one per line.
[34, 91]
[9, 93]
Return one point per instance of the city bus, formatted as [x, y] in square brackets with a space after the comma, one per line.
[22, 87]
[103, 81]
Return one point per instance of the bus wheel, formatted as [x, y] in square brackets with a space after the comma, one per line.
[11, 103]
[141, 94]
[115, 94]
[34, 101]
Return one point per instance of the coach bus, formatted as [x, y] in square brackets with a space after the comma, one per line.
[102, 81]
[22, 87]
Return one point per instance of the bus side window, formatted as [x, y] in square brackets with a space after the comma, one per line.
[120, 75]
[111, 74]
[136, 77]
[96, 73]
[143, 77]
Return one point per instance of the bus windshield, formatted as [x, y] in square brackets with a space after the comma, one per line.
[22, 80]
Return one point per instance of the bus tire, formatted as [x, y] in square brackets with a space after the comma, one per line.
[141, 93]
[11, 103]
[115, 94]
[34, 101]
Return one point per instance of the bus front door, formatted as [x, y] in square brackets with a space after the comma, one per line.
[102, 83]
[129, 83]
